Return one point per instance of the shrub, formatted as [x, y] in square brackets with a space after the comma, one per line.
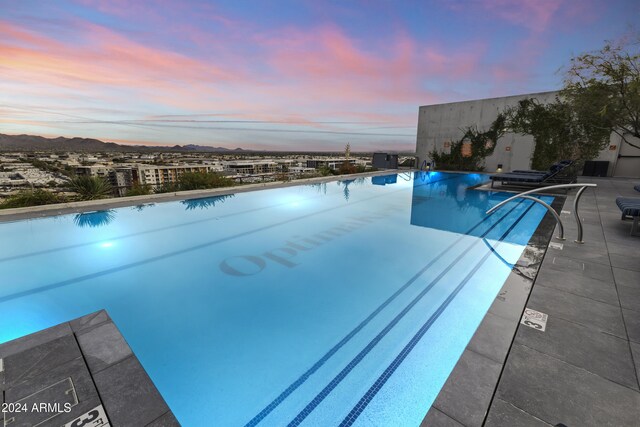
[28, 198]
[139, 190]
[203, 180]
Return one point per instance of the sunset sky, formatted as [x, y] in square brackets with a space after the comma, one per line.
[285, 75]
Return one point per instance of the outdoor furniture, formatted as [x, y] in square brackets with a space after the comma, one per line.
[563, 163]
[531, 177]
[630, 207]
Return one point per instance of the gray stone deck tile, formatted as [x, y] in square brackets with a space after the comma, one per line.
[620, 234]
[587, 253]
[632, 322]
[32, 340]
[126, 405]
[493, 337]
[89, 321]
[166, 420]
[626, 277]
[504, 414]
[436, 418]
[626, 261]
[623, 248]
[635, 351]
[629, 297]
[598, 290]
[103, 346]
[588, 312]
[580, 268]
[584, 347]
[85, 391]
[558, 392]
[34, 361]
[467, 393]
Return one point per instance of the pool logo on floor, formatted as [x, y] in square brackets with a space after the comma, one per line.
[249, 265]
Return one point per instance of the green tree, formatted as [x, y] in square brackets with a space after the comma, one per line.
[167, 187]
[347, 168]
[139, 190]
[604, 87]
[91, 187]
[325, 170]
[203, 180]
[559, 131]
[27, 198]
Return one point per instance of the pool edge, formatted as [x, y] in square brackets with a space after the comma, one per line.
[467, 394]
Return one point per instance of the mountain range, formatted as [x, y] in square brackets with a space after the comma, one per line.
[39, 143]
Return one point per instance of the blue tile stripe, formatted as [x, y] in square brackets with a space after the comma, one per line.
[303, 378]
[356, 360]
[382, 379]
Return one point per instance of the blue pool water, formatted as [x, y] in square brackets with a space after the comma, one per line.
[346, 302]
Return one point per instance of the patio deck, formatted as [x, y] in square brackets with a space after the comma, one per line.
[582, 370]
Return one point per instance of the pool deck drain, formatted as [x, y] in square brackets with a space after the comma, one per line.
[77, 373]
[583, 369]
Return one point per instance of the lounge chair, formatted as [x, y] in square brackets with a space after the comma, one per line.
[630, 207]
[563, 163]
[530, 177]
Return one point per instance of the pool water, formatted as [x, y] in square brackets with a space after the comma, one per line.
[347, 302]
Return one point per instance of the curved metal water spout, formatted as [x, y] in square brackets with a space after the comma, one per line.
[525, 195]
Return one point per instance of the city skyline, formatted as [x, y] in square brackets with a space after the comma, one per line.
[280, 75]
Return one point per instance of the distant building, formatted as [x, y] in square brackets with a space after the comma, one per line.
[120, 178]
[385, 161]
[256, 167]
[156, 175]
[331, 163]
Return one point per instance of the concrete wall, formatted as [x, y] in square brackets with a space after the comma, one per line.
[625, 157]
[440, 123]
[445, 122]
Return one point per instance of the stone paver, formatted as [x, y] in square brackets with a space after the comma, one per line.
[505, 414]
[583, 369]
[558, 392]
[467, 393]
[85, 363]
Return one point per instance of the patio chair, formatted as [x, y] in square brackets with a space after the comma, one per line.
[630, 207]
[530, 177]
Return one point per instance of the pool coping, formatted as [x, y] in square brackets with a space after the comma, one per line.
[42, 211]
[466, 396]
[85, 361]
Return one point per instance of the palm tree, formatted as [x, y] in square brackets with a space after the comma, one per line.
[94, 219]
[91, 187]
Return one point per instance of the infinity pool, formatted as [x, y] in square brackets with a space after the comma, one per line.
[345, 302]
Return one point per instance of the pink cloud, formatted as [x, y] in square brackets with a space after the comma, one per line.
[320, 72]
[328, 64]
[532, 14]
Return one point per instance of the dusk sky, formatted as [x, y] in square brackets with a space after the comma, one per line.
[286, 75]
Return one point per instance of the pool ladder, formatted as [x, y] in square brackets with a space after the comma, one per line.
[525, 195]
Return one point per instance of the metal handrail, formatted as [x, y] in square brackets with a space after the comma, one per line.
[525, 195]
